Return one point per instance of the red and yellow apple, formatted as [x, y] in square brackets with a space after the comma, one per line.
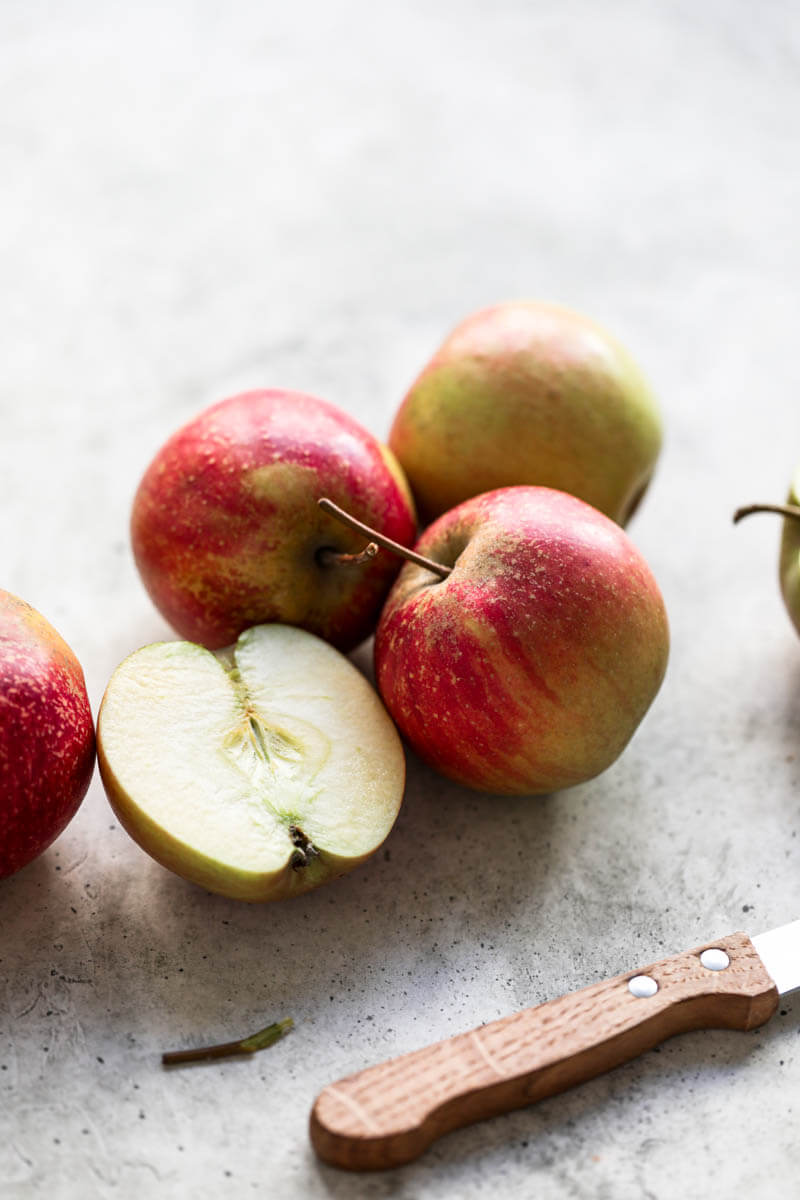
[528, 393]
[227, 533]
[46, 734]
[530, 666]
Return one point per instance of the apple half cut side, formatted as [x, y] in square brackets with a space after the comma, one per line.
[260, 771]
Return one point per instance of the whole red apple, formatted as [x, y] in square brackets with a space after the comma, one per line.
[46, 734]
[226, 529]
[530, 666]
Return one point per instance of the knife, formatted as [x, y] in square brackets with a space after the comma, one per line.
[389, 1114]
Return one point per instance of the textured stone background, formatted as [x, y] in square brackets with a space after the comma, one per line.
[199, 198]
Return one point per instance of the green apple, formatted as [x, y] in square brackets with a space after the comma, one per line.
[259, 771]
[528, 393]
[789, 563]
[790, 554]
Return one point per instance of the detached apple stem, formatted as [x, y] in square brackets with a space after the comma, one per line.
[783, 510]
[249, 1045]
[381, 540]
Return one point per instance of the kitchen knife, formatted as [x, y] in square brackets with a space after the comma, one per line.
[389, 1114]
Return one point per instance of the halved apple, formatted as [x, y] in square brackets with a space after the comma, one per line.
[260, 771]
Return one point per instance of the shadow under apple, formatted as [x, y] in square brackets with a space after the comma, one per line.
[466, 913]
[214, 967]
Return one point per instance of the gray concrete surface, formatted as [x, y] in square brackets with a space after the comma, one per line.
[199, 198]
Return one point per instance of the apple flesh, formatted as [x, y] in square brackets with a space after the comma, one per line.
[259, 772]
[530, 666]
[226, 530]
[528, 393]
[46, 734]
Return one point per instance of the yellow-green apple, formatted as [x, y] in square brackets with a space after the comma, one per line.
[46, 734]
[260, 771]
[227, 533]
[530, 666]
[789, 566]
[528, 393]
[789, 562]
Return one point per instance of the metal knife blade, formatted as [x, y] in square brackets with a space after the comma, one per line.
[779, 950]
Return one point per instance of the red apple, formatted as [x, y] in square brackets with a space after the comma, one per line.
[530, 666]
[46, 734]
[226, 529]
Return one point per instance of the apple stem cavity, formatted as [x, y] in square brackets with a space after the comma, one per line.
[256, 1041]
[783, 510]
[327, 556]
[378, 539]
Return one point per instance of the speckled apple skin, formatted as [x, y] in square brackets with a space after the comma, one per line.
[528, 393]
[46, 734]
[529, 668]
[226, 528]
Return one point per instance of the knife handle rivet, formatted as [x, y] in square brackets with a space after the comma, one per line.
[642, 986]
[715, 960]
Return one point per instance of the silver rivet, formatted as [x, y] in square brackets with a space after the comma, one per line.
[642, 986]
[715, 960]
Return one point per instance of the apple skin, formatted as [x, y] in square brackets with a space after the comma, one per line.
[46, 734]
[789, 567]
[529, 668]
[226, 530]
[528, 393]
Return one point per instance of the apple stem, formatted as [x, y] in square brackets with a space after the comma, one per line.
[256, 1041]
[783, 510]
[381, 540]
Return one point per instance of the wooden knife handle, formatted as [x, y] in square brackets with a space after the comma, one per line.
[388, 1114]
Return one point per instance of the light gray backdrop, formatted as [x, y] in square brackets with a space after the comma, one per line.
[199, 198]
